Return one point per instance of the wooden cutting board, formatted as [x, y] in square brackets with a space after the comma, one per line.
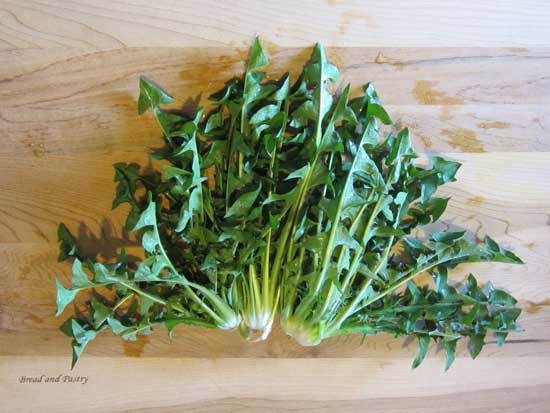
[472, 82]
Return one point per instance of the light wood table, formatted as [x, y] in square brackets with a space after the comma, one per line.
[471, 80]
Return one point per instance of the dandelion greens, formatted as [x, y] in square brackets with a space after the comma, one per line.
[285, 198]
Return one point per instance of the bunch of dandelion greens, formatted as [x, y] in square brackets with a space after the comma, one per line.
[287, 199]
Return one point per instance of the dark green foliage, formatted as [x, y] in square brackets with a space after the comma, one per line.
[286, 198]
[67, 245]
[445, 315]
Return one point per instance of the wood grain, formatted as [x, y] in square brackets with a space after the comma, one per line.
[201, 383]
[530, 398]
[104, 24]
[471, 81]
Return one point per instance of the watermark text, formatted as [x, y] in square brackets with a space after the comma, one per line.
[46, 378]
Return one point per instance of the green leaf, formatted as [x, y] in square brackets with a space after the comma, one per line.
[116, 325]
[423, 346]
[500, 254]
[258, 58]
[476, 344]
[450, 351]
[273, 222]
[64, 296]
[101, 272]
[445, 169]
[174, 172]
[215, 120]
[435, 207]
[167, 121]
[343, 237]
[340, 111]
[304, 113]
[428, 188]
[448, 237]
[80, 279]
[501, 297]
[370, 93]
[283, 91]
[374, 109]
[151, 95]
[319, 176]
[370, 133]
[147, 217]
[67, 327]
[82, 337]
[215, 155]
[127, 177]
[100, 312]
[288, 198]
[150, 241]
[67, 245]
[401, 146]
[242, 205]
[299, 173]
[315, 242]
[501, 337]
[145, 304]
[265, 113]
[150, 268]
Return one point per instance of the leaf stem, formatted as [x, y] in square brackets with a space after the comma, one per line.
[223, 307]
[409, 275]
[122, 301]
[266, 293]
[142, 293]
[271, 285]
[364, 240]
[228, 157]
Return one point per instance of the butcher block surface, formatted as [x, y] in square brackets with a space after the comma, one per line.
[470, 79]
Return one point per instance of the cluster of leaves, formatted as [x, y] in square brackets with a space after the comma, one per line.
[285, 198]
[445, 315]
